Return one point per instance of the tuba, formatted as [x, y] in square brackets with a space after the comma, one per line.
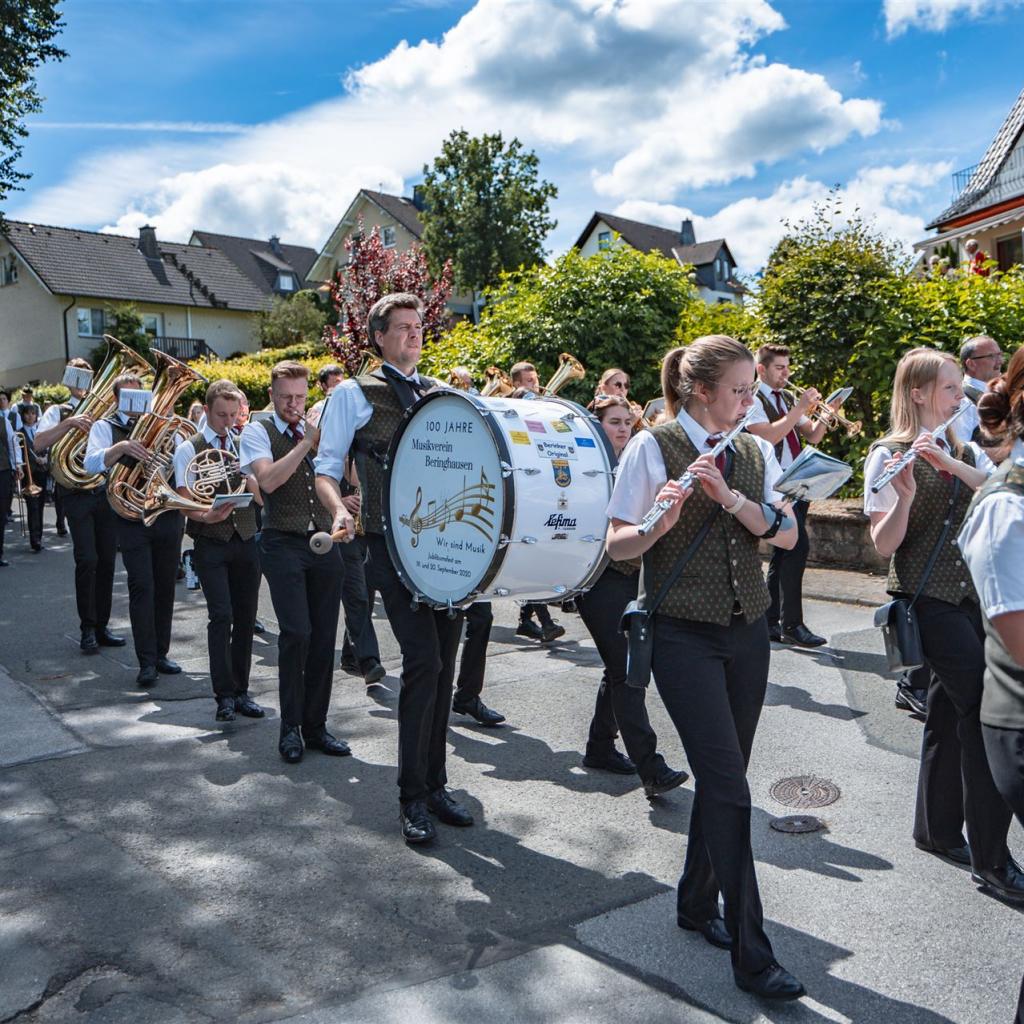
[370, 364]
[161, 431]
[499, 383]
[67, 456]
[569, 368]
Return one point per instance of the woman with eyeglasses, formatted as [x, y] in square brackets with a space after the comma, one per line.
[711, 650]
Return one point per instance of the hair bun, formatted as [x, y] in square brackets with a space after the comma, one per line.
[994, 406]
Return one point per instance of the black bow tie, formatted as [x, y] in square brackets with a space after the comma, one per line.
[405, 388]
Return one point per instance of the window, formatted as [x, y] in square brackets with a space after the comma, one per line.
[604, 240]
[1009, 251]
[151, 324]
[285, 282]
[8, 270]
[388, 235]
[90, 323]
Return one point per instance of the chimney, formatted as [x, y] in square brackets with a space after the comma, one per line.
[418, 199]
[147, 243]
[686, 235]
[275, 247]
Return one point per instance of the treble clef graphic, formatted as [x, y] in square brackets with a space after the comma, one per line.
[413, 520]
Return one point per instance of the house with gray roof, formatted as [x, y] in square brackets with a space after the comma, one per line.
[276, 268]
[713, 265]
[988, 200]
[55, 284]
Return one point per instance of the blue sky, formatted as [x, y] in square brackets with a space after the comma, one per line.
[257, 118]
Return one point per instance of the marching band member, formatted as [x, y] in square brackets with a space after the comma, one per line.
[711, 649]
[613, 382]
[93, 526]
[226, 559]
[620, 708]
[915, 521]
[363, 415]
[38, 466]
[305, 588]
[524, 375]
[782, 422]
[150, 553]
[10, 473]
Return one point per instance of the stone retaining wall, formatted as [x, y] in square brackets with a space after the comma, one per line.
[839, 535]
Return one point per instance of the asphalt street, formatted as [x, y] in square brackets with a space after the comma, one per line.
[160, 867]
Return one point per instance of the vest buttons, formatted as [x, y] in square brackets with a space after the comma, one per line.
[734, 561]
[963, 583]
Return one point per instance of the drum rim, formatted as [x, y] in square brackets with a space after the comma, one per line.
[504, 456]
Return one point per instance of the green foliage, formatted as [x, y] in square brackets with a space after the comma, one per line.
[26, 42]
[699, 318]
[302, 353]
[615, 308]
[298, 319]
[124, 322]
[45, 394]
[485, 209]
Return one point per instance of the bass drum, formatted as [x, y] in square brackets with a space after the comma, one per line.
[496, 498]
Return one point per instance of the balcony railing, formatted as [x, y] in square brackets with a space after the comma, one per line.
[1007, 183]
[185, 349]
[961, 179]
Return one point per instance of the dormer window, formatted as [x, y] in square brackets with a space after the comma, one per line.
[388, 237]
[285, 282]
[604, 240]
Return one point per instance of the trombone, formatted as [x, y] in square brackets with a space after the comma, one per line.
[824, 413]
[30, 489]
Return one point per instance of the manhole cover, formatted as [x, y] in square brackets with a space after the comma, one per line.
[795, 823]
[804, 791]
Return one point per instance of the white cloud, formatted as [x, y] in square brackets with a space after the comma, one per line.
[619, 88]
[936, 15]
[752, 226]
[175, 127]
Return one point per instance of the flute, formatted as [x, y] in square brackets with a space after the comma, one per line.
[888, 476]
[659, 508]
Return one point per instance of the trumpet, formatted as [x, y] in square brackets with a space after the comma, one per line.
[569, 368]
[499, 383]
[888, 476]
[824, 413]
[30, 489]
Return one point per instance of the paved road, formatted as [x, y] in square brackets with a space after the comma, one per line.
[157, 867]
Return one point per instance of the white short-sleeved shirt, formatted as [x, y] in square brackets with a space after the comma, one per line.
[101, 437]
[186, 451]
[758, 415]
[992, 541]
[642, 471]
[967, 421]
[874, 466]
[254, 444]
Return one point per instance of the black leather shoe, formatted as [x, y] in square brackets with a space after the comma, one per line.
[714, 930]
[1005, 883]
[258, 627]
[959, 855]
[775, 633]
[322, 740]
[801, 636]
[245, 705]
[167, 667]
[88, 643]
[62, 531]
[774, 982]
[441, 804]
[147, 676]
[351, 666]
[552, 631]
[225, 709]
[666, 779]
[4, 563]
[529, 628]
[416, 826]
[909, 699]
[374, 673]
[107, 639]
[613, 761]
[477, 709]
[36, 547]
[290, 744]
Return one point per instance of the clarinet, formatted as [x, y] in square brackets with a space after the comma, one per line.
[659, 508]
[888, 476]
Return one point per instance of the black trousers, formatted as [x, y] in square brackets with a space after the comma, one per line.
[59, 510]
[619, 708]
[712, 680]
[538, 608]
[306, 593]
[786, 575]
[479, 619]
[93, 525]
[1005, 750]
[429, 642]
[34, 510]
[229, 572]
[955, 777]
[6, 497]
[360, 642]
[150, 556]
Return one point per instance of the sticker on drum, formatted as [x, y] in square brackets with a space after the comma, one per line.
[472, 513]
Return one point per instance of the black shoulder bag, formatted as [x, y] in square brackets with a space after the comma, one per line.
[897, 619]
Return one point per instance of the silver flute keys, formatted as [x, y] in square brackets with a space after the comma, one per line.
[659, 508]
[889, 475]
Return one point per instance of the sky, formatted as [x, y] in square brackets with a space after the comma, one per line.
[255, 118]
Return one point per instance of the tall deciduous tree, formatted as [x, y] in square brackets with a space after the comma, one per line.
[373, 271]
[292, 320]
[485, 209]
[27, 28]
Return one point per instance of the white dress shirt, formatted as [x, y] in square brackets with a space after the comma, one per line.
[967, 421]
[346, 412]
[186, 451]
[13, 449]
[758, 415]
[101, 437]
[254, 442]
[874, 466]
[992, 541]
[642, 471]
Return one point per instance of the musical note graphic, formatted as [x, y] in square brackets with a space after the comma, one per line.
[473, 505]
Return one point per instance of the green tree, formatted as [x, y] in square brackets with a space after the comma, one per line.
[28, 28]
[292, 320]
[124, 322]
[485, 209]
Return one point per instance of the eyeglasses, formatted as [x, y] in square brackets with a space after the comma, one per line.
[744, 392]
[989, 355]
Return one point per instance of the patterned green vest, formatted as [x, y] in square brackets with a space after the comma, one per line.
[628, 567]
[294, 504]
[371, 443]
[933, 506]
[241, 521]
[724, 575]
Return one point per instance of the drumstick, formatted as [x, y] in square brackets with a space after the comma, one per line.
[320, 543]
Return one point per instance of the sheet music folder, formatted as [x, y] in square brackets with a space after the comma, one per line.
[813, 476]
